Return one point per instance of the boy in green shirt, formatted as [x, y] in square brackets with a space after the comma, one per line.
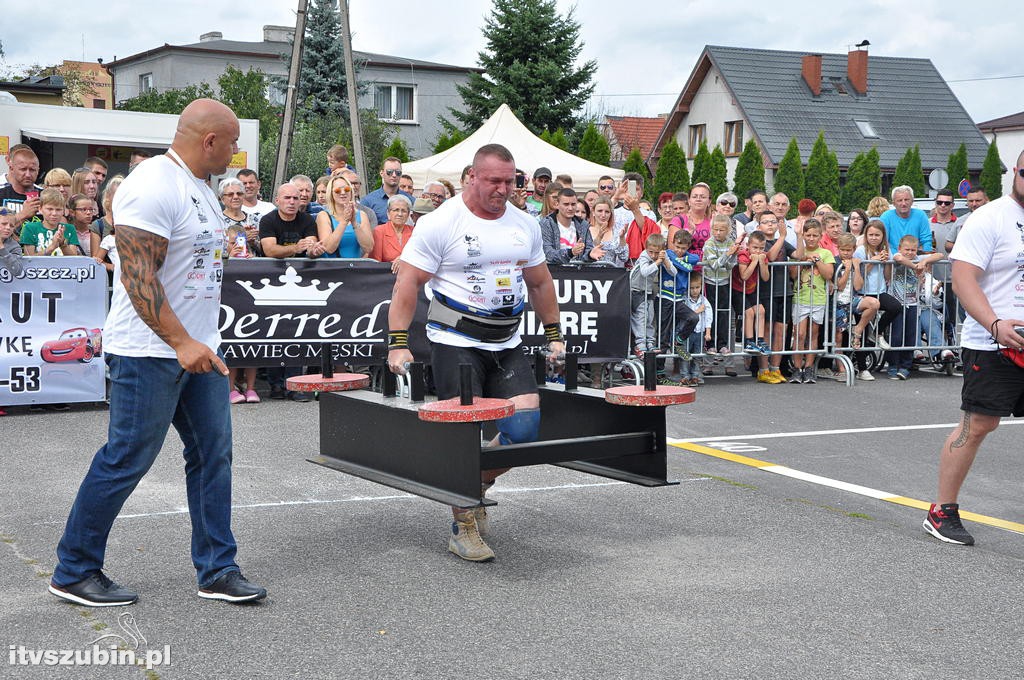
[50, 235]
[810, 299]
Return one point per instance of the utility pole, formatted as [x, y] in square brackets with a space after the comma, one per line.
[284, 146]
[353, 103]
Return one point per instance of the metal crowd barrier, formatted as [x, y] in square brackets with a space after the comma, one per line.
[925, 319]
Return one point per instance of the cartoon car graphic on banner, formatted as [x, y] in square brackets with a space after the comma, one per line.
[74, 344]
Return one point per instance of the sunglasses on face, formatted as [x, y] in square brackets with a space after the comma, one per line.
[943, 202]
[606, 187]
[393, 173]
[342, 190]
[229, 194]
[728, 203]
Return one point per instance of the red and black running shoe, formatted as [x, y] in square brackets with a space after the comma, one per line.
[944, 524]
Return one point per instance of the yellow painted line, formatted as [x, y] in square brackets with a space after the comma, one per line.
[886, 496]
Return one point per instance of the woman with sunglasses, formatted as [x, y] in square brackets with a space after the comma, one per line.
[232, 192]
[82, 209]
[343, 230]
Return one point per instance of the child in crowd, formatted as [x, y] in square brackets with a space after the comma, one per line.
[752, 267]
[719, 260]
[10, 249]
[850, 306]
[677, 320]
[905, 287]
[877, 269]
[52, 234]
[776, 296]
[644, 280]
[235, 246]
[701, 334]
[810, 299]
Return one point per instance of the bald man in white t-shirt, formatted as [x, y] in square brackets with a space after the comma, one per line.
[161, 341]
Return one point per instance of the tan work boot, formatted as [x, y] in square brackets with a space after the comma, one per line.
[480, 512]
[465, 540]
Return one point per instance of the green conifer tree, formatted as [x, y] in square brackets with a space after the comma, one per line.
[594, 147]
[749, 173]
[789, 178]
[957, 168]
[992, 173]
[672, 175]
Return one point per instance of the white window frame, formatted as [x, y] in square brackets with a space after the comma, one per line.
[146, 82]
[867, 130]
[394, 102]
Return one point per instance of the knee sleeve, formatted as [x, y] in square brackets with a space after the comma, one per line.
[519, 428]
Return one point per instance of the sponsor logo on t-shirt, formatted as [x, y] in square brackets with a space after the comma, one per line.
[475, 278]
[504, 271]
[477, 289]
[199, 209]
[478, 299]
[471, 266]
[503, 281]
[472, 245]
[508, 299]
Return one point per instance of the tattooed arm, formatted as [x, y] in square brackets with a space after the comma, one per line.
[142, 255]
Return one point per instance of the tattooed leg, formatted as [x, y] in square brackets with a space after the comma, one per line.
[959, 451]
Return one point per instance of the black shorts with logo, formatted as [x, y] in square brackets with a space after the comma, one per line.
[993, 385]
[500, 374]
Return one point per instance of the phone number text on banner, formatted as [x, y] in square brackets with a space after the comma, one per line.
[281, 312]
[51, 331]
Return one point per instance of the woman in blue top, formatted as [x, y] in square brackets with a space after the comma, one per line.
[341, 227]
[877, 265]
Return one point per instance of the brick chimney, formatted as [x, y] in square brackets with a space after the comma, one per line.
[211, 36]
[857, 70]
[811, 71]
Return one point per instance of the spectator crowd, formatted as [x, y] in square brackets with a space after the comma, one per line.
[712, 287]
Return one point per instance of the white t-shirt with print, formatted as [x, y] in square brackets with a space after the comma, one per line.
[165, 199]
[477, 263]
[109, 244]
[259, 210]
[992, 239]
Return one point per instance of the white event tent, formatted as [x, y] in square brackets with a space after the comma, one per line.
[529, 150]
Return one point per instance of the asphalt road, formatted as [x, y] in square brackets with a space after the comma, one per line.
[737, 572]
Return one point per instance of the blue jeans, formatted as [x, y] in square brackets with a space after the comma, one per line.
[145, 400]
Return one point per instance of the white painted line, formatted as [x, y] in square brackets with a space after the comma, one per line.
[366, 499]
[818, 433]
[826, 481]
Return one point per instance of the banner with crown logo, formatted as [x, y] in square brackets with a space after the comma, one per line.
[282, 312]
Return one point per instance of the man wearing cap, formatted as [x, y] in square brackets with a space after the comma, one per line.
[535, 202]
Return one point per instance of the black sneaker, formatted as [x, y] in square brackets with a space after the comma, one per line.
[233, 587]
[944, 524]
[95, 591]
[302, 397]
[276, 392]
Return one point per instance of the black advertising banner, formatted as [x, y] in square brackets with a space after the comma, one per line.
[280, 312]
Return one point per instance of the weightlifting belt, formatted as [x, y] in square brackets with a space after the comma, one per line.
[444, 314]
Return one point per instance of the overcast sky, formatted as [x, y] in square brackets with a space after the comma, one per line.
[645, 49]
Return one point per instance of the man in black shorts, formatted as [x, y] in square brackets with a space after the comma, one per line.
[987, 280]
[478, 259]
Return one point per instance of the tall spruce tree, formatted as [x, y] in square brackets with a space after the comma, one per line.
[860, 185]
[717, 173]
[992, 173]
[529, 63]
[558, 139]
[917, 173]
[957, 168]
[635, 163]
[821, 184]
[397, 149]
[903, 175]
[594, 147]
[873, 170]
[702, 165]
[672, 174]
[789, 178]
[749, 173]
[323, 86]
